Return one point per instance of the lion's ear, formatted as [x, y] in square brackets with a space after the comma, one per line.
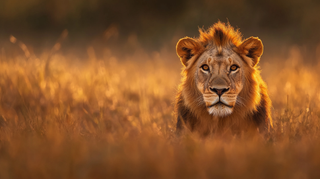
[186, 48]
[251, 48]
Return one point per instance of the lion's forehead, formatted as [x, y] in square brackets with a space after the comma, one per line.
[211, 57]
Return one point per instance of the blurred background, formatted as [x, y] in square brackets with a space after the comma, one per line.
[155, 24]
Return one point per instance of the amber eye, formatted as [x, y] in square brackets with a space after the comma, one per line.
[234, 67]
[205, 67]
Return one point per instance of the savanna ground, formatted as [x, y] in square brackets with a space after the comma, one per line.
[113, 117]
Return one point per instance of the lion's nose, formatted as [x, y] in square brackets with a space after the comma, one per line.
[219, 92]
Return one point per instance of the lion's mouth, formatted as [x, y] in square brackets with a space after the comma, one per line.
[220, 103]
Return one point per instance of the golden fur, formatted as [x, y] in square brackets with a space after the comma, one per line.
[218, 98]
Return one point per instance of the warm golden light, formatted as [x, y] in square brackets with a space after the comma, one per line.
[87, 90]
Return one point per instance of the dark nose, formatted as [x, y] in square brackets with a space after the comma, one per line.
[219, 91]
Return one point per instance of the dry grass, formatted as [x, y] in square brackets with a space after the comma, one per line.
[113, 118]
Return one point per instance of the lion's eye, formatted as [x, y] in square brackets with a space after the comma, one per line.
[205, 67]
[234, 67]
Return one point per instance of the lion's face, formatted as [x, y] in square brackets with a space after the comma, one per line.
[218, 67]
[219, 77]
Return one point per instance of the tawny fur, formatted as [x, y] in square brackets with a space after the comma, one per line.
[254, 111]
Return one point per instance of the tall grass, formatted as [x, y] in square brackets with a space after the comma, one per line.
[114, 118]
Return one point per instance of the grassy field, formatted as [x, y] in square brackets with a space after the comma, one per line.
[114, 118]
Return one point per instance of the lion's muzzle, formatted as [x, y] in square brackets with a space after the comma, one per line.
[220, 103]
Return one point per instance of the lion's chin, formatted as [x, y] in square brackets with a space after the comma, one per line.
[220, 110]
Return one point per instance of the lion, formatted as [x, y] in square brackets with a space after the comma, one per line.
[221, 87]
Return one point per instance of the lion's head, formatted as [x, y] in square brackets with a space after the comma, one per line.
[221, 69]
